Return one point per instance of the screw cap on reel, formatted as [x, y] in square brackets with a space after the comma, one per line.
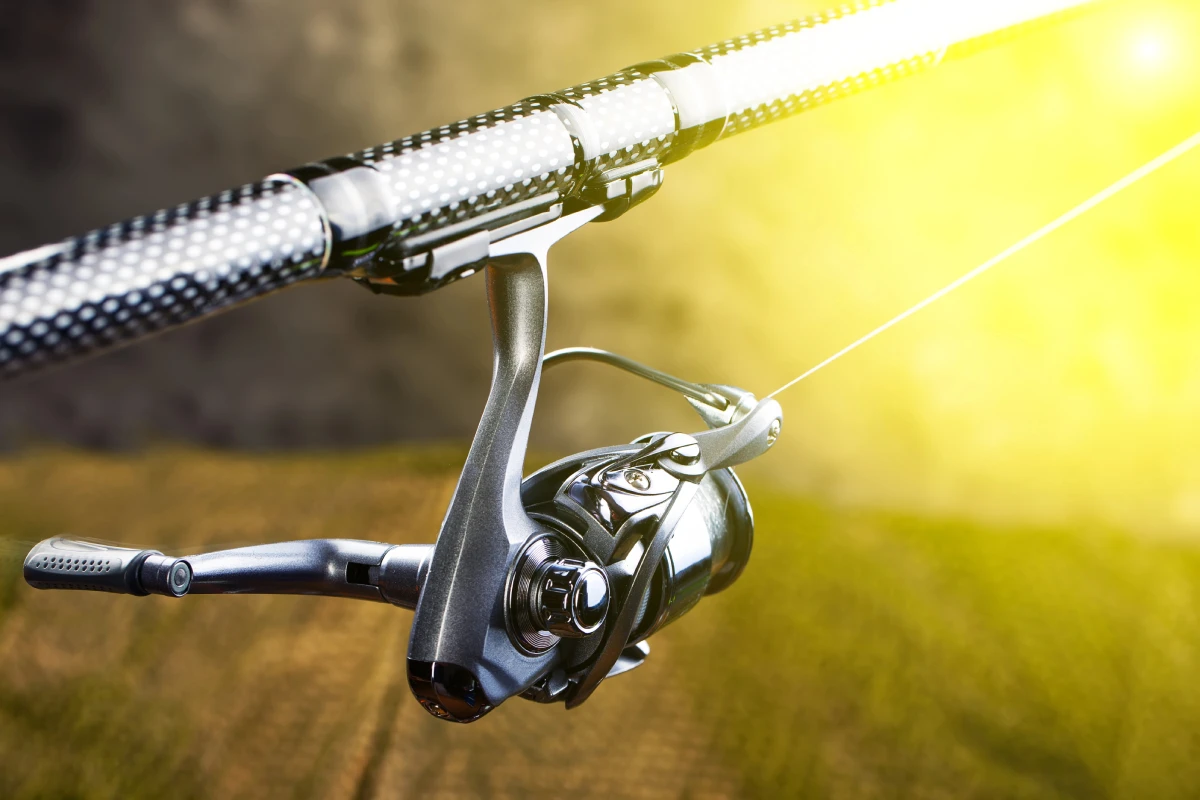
[570, 597]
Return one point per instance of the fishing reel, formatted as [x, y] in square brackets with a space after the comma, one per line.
[539, 588]
[666, 535]
[634, 536]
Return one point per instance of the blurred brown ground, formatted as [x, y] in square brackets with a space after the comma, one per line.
[862, 655]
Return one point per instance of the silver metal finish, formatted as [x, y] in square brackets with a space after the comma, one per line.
[692, 391]
[569, 598]
[326, 567]
[668, 532]
[542, 597]
[461, 660]
[743, 440]
[631, 608]
[527, 631]
[401, 574]
[166, 575]
[631, 657]
[329, 567]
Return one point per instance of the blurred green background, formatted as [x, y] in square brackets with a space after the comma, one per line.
[976, 557]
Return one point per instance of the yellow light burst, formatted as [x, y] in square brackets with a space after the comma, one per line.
[1151, 51]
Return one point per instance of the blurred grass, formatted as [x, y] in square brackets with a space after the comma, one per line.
[862, 655]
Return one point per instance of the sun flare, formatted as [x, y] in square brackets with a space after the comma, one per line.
[1151, 51]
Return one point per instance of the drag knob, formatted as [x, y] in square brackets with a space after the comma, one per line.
[569, 597]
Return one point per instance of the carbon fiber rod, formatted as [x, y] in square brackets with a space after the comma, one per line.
[412, 215]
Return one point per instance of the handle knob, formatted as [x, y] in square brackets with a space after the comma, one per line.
[569, 597]
[61, 563]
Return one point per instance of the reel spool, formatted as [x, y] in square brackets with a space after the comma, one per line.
[602, 506]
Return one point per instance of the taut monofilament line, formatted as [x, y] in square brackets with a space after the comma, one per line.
[1139, 174]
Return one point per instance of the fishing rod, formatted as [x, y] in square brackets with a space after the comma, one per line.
[540, 587]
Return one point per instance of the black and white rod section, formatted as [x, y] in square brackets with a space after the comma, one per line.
[412, 215]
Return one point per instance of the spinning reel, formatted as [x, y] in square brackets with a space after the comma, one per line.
[540, 588]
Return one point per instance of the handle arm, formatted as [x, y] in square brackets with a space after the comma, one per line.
[330, 567]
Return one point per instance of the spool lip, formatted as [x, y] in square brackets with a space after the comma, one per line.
[743, 543]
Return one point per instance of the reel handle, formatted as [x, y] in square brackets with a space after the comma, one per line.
[62, 563]
[350, 568]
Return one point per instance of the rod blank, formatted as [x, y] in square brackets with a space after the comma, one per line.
[415, 214]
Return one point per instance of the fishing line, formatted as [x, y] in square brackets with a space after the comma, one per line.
[1129, 180]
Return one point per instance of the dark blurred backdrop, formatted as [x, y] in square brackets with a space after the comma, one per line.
[1062, 387]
